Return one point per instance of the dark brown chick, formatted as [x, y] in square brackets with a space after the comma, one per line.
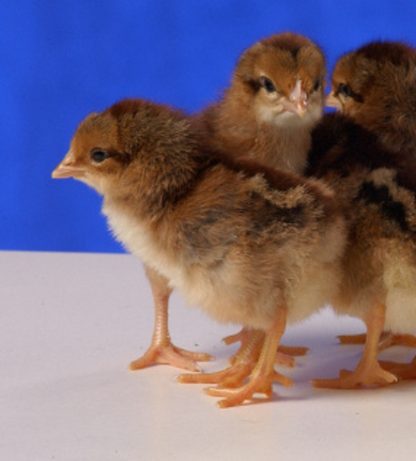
[368, 156]
[247, 244]
[375, 86]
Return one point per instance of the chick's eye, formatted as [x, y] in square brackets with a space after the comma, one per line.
[317, 85]
[99, 155]
[345, 90]
[267, 84]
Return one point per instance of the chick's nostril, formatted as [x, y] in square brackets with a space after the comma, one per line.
[301, 103]
[68, 160]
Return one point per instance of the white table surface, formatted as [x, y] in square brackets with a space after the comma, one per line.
[70, 324]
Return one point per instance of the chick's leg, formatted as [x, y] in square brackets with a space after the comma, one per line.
[161, 349]
[263, 375]
[368, 372]
[242, 364]
[285, 354]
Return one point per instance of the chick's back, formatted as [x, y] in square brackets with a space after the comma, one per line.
[376, 189]
[252, 239]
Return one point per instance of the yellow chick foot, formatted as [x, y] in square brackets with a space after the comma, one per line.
[242, 364]
[263, 375]
[401, 370]
[167, 353]
[368, 372]
[161, 350]
[362, 377]
[234, 397]
[258, 383]
[232, 376]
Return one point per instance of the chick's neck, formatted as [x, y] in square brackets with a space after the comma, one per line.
[399, 136]
[238, 128]
[152, 191]
[391, 115]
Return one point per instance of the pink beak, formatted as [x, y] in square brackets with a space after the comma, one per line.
[332, 101]
[66, 169]
[299, 99]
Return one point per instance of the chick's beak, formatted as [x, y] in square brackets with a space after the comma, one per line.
[67, 168]
[298, 100]
[332, 101]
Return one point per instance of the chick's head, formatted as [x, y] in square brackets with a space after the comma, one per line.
[284, 74]
[133, 142]
[95, 155]
[376, 85]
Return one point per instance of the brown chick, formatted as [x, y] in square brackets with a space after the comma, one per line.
[274, 100]
[368, 156]
[267, 114]
[374, 86]
[247, 244]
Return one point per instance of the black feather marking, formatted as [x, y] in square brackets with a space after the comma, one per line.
[266, 214]
[380, 195]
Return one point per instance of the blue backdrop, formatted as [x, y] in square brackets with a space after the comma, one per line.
[61, 60]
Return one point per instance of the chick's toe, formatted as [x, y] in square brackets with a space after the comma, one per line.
[169, 354]
[401, 370]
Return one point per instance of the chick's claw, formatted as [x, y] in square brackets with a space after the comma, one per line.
[232, 376]
[242, 362]
[282, 379]
[169, 354]
[233, 397]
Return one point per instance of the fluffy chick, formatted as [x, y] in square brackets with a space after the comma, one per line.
[267, 113]
[274, 100]
[247, 244]
[374, 86]
[368, 156]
